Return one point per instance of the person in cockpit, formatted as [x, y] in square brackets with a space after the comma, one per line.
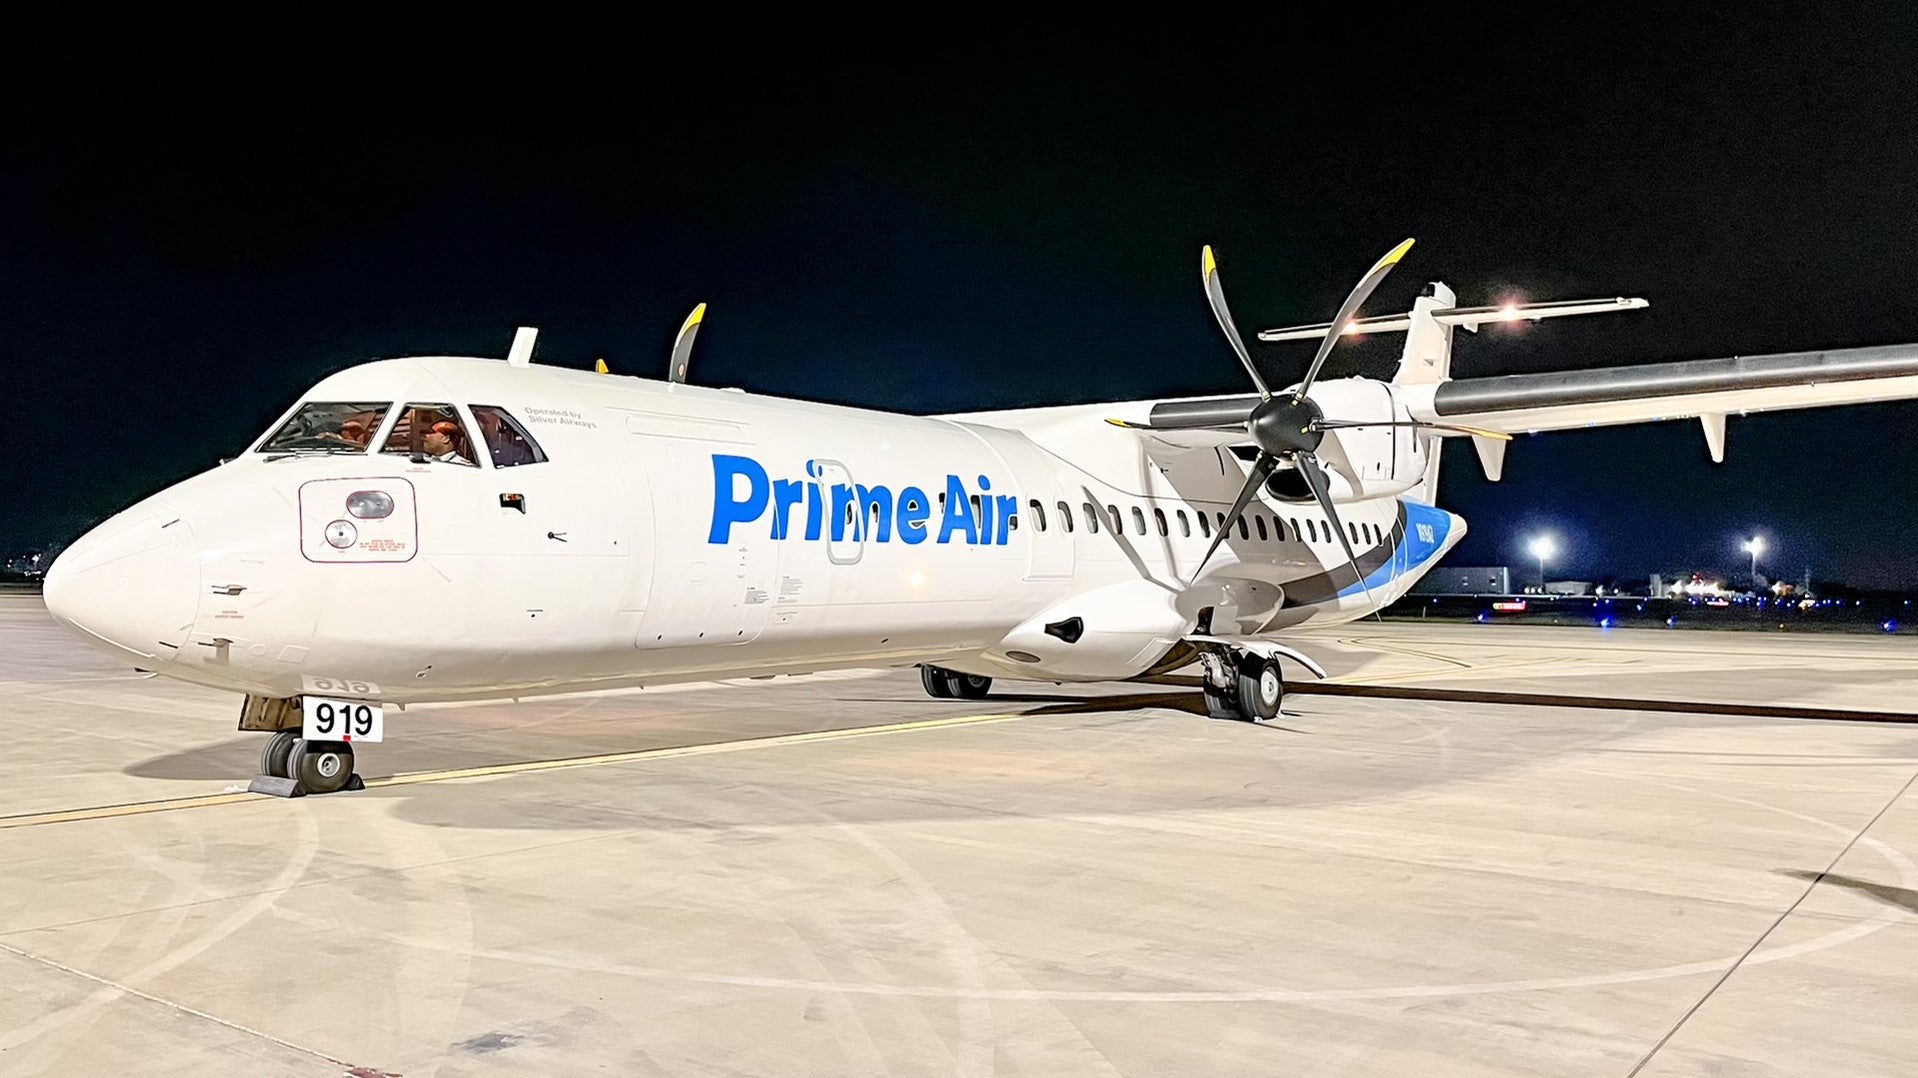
[445, 441]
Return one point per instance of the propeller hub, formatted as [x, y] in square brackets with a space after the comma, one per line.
[1283, 426]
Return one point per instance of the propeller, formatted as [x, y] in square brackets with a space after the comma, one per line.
[1288, 427]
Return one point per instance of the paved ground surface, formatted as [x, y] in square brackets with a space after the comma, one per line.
[1084, 882]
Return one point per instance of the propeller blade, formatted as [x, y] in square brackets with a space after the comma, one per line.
[1180, 423]
[1215, 295]
[1360, 293]
[1261, 471]
[683, 345]
[1308, 466]
[1349, 424]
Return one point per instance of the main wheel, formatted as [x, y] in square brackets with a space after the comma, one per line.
[1221, 703]
[971, 686]
[1261, 687]
[320, 766]
[936, 682]
[273, 758]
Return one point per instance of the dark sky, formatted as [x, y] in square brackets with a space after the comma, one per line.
[197, 224]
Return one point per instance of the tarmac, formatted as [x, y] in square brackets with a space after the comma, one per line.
[1446, 861]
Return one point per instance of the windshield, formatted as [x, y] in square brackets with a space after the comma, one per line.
[328, 427]
[431, 432]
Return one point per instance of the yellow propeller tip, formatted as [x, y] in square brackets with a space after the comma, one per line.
[1399, 251]
[699, 314]
[1211, 264]
[599, 366]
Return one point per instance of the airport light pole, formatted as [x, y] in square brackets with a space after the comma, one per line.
[1755, 546]
[1542, 547]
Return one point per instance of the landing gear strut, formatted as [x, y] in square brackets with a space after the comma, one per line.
[291, 766]
[943, 684]
[1241, 685]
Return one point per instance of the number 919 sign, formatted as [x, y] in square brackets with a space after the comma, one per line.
[327, 719]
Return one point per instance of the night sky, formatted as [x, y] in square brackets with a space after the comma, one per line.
[958, 219]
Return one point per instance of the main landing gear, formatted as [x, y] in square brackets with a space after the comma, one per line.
[942, 684]
[1241, 685]
[293, 766]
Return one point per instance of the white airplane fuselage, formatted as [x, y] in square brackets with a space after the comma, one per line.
[679, 533]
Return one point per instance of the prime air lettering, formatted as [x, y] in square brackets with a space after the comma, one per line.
[743, 493]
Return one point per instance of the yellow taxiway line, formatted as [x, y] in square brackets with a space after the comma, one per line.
[138, 808]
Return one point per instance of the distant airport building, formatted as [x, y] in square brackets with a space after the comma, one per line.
[1466, 580]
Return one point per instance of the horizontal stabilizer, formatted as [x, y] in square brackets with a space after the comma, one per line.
[1468, 317]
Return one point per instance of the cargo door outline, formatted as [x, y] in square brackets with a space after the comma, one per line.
[845, 525]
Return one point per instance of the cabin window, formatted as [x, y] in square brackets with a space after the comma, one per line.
[1138, 520]
[1158, 517]
[506, 441]
[1092, 517]
[1223, 526]
[1065, 516]
[1296, 533]
[1260, 521]
[1244, 532]
[1313, 527]
[1278, 529]
[1353, 531]
[1185, 526]
[1205, 522]
[431, 432]
[328, 427]
[1038, 514]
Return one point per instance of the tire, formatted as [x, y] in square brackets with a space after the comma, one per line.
[273, 758]
[1222, 703]
[321, 767]
[971, 686]
[1261, 687]
[937, 683]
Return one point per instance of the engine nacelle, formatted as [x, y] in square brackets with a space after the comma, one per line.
[1362, 462]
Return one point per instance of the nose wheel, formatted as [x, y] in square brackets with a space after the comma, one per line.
[291, 766]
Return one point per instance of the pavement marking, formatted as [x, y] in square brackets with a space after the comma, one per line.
[140, 808]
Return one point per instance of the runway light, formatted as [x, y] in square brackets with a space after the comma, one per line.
[1605, 623]
[1889, 626]
[1484, 616]
[1671, 622]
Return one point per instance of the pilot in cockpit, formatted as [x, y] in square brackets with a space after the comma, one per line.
[445, 441]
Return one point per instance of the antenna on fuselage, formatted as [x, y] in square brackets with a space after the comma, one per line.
[683, 345]
[521, 354]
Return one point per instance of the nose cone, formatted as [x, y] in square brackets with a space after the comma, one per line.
[132, 585]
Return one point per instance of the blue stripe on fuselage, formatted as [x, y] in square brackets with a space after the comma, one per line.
[1426, 529]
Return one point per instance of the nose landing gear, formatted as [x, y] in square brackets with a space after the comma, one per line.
[291, 766]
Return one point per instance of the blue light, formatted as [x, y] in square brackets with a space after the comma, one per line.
[1605, 623]
[1671, 622]
[1889, 626]
[1484, 616]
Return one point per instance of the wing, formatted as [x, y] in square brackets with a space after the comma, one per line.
[1706, 388]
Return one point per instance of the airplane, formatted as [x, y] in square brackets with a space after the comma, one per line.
[460, 528]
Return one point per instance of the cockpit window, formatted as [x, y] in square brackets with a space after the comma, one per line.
[328, 427]
[431, 432]
[505, 439]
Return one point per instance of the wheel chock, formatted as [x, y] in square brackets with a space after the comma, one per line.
[273, 786]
